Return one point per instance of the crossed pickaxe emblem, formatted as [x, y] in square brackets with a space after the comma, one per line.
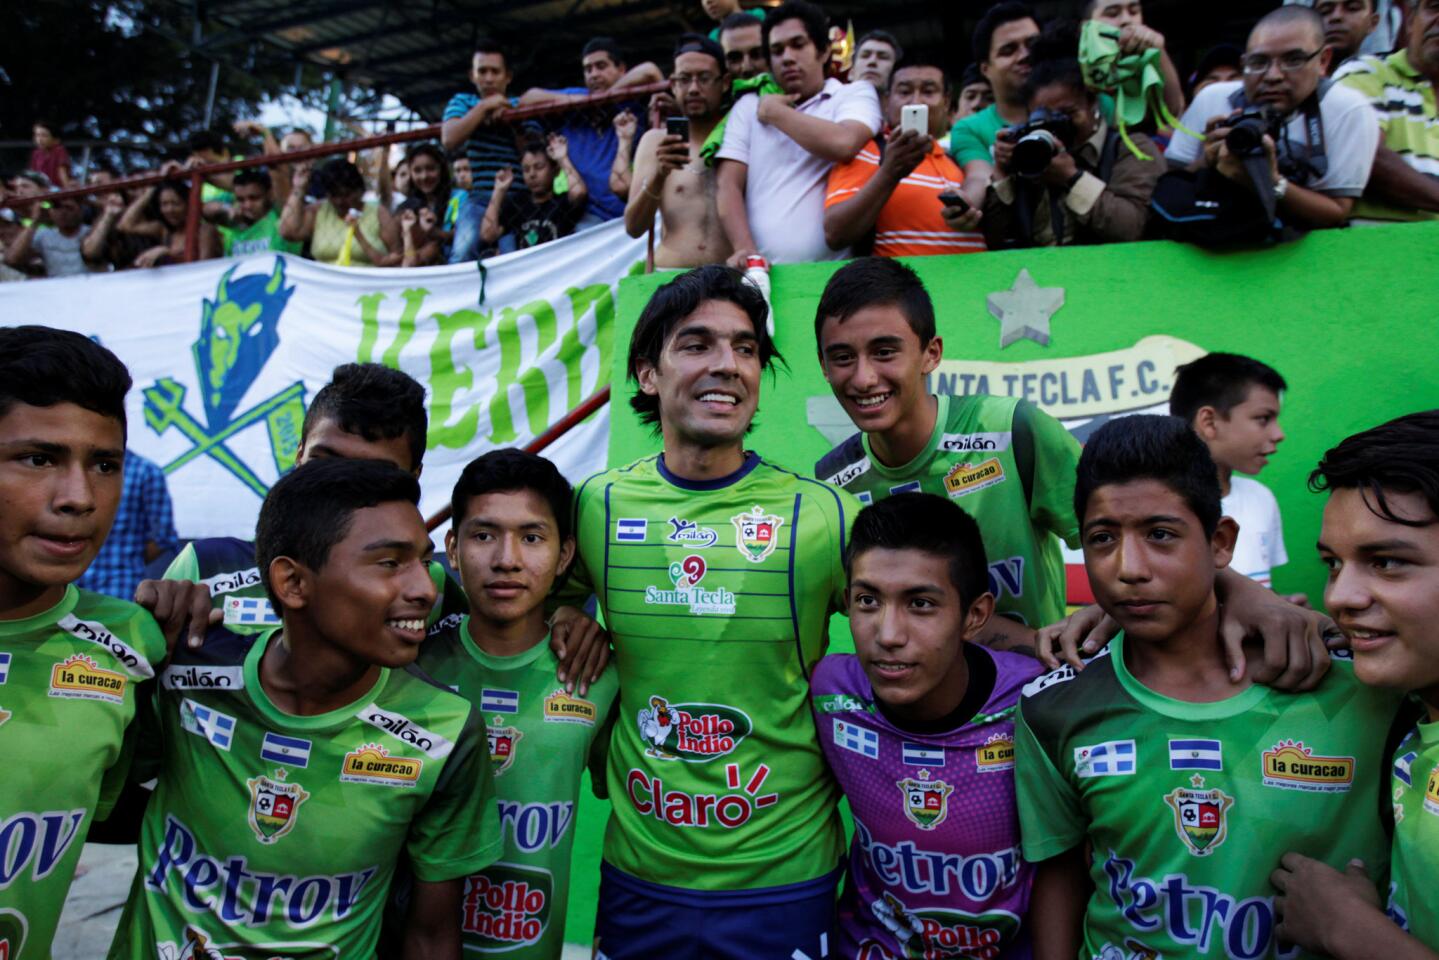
[164, 408]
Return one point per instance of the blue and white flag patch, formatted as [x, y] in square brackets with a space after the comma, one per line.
[631, 529]
[1113, 758]
[856, 739]
[919, 755]
[250, 612]
[4, 667]
[292, 751]
[1195, 755]
[499, 701]
[1402, 768]
[207, 722]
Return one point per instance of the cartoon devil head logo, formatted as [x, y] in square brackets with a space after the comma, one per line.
[239, 330]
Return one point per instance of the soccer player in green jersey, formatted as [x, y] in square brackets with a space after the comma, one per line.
[1007, 463]
[511, 542]
[1155, 794]
[296, 768]
[71, 661]
[1380, 540]
[717, 573]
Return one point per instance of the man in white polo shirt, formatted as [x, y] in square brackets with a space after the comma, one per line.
[778, 148]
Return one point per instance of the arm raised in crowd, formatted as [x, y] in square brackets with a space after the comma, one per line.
[850, 219]
[833, 141]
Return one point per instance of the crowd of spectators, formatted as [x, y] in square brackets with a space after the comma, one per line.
[775, 142]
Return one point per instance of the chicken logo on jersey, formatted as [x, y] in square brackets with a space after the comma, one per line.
[656, 724]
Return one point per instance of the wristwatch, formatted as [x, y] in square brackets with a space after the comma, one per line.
[1281, 187]
[1078, 176]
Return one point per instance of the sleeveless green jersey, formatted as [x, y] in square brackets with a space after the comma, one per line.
[541, 740]
[717, 596]
[1413, 897]
[1010, 466]
[273, 835]
[226, 566]
[1190, 806]
[68, 681]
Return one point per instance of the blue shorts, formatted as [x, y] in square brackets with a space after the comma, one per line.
[639, 920]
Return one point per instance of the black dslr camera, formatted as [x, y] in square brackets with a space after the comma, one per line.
[1040, 139]
[1247, 129]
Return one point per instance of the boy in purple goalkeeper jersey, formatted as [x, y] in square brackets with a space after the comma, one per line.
[919, 730]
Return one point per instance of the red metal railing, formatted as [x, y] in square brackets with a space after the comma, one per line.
[197, 174]
[561, 427]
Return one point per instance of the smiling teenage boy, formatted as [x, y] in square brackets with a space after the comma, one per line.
[717, 574]
[70, 660]
[932, 714]
[1007, 463]
[1380, 540]
[1186, 786]
[510, 543]
[298, 767]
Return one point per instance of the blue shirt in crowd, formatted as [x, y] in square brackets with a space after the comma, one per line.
[145, 516]
[489, 148]
[590, 133]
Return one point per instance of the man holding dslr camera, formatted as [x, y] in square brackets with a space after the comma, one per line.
[1064, 176]
[1316, 139]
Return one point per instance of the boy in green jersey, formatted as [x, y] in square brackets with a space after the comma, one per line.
[1380, 540]
[717, 573]
[1007, 463]
[70, 660]
[251, 224]
[510, 542]
[1155, 794]
[298, 767]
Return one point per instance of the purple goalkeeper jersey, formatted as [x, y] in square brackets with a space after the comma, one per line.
[935, 867]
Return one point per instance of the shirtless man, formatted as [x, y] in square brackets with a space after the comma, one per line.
[669, 174]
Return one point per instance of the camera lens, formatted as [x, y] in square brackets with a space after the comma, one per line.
[1034, 151]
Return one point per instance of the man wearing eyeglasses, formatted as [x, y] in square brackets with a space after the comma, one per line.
[1322, 148]
[669, 175]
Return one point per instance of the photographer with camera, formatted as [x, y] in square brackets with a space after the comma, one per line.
[905, 193]
[1285, 130]
[1064, 176]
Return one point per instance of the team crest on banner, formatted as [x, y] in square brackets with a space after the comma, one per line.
[756, 533]
[274, 805]
[239, 330]
[1200, 816]
[926, 801]
[503, 741]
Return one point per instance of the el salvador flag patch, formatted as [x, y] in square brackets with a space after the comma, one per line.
[856, 739]
[1402, 768]
[919, 755]
[911, 487]
[292, 751]
[1195, 755]
[631, 530]
[4, 667]
[499, 701]
[1113, 758]
[203, 721]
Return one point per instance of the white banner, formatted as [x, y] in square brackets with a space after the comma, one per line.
[227, 354]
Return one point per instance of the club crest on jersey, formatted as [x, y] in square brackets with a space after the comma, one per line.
[372, 763]
[560, 707]
[274, 805]
[693, 732]
[1290, 765]
[81, 678]
[756, 534]
[1431, 793]
[685, 575]
[689, 532]
[503, 741]
[966, 478]
[1201, 817]
[926, 801]
[995, 754]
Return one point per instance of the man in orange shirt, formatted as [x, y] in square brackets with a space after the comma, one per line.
[896, 192]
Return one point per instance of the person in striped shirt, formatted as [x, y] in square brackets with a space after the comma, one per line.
[895, 191]
[1404, 184]
[470, 123]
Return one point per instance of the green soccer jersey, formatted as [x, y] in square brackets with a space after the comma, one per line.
[541, 740]
[273, 835]
[1188, 807]
[68, 681]
[1011, 467]
[717, 596]
[226, 566]
[1413, 896]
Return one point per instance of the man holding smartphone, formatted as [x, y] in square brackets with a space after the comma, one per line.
[669, 176]
[905, 195]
